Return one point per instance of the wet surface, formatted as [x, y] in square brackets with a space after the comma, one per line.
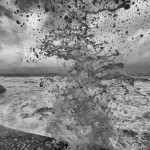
[96, 103]
[11, 139]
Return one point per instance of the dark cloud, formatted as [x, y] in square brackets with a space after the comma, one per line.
[27, 5]
[5, 11]
[64, 10]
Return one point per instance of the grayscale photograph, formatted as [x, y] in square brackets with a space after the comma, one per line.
[74, 74]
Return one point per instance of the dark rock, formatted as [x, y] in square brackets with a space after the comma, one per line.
[11, 139]
[2, 89]
[41, 84]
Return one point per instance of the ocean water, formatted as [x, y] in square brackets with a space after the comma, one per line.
[27, 107]
[19, 103]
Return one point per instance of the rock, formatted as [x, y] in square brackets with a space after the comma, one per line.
[2, 89]
[41, 84]
[11, 139]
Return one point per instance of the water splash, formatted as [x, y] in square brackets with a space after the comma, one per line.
[82, 115]
[83, 112]
[90, 97]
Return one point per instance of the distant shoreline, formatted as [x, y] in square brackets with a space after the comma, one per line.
[30, 75]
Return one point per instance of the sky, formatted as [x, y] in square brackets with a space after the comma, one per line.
[15, 41]
[19, 32]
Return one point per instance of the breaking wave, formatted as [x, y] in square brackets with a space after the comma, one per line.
[95, 105]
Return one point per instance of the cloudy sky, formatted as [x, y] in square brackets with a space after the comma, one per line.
[19, 32]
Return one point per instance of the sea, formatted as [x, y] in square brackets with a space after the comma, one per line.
[25, 105]
[20, 102]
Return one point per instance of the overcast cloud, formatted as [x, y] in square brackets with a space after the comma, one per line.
[15, 40]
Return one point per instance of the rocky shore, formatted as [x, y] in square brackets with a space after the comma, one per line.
[2, 89]
[11, 139]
